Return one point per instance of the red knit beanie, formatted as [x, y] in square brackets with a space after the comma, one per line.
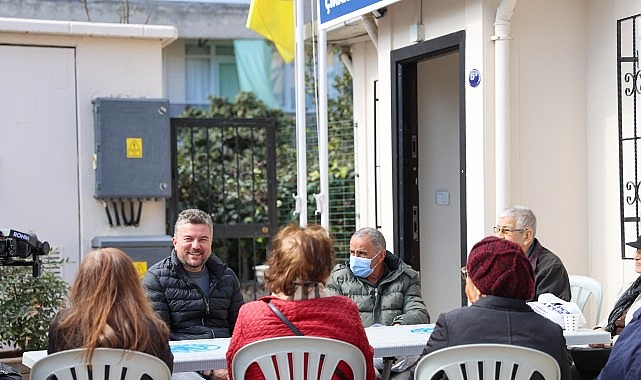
[499, 267]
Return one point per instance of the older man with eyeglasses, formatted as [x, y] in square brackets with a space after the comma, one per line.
[518, 224]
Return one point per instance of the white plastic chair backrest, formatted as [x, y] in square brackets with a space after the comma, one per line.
[582, 287]
[323, 355]
[107, 364]
[477, 359]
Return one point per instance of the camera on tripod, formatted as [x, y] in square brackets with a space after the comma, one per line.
[17, 247]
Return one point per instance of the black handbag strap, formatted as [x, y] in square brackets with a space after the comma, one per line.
[296, 331]
[283, 318]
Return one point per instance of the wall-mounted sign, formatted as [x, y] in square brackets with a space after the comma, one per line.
[474, 77]
[333, 12]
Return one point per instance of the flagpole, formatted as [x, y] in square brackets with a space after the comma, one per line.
[301, 135]
[323, 202]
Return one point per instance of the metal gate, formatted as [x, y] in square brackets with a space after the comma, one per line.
[227, 167]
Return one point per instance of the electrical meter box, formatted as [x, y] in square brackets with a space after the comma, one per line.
[145, 251]
[132, 148]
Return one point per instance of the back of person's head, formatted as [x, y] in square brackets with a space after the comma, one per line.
[499, 267]
[523, 217]
[375, 236]
[106, 276]
[108, 307]
[299, 254]
[194, 216]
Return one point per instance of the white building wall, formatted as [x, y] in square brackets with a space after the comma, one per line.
[364, 75]
[112, 60]
[548, 134]
[603, 235]
[384, 119]
[479, 155]
[564, 147]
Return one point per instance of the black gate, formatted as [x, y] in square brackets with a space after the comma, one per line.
[227, 167]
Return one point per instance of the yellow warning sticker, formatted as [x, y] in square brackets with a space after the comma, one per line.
[134, 147]
[141, 268]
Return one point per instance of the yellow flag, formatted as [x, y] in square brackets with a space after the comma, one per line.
[274, 20]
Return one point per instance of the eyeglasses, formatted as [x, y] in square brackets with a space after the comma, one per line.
[506, 230]
[464, 273]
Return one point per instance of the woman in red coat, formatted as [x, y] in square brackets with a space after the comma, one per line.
[299, 264]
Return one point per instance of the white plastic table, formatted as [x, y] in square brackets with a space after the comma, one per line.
[388, 342]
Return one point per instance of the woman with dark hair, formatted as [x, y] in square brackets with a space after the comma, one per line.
[108, 308]
[300, 262]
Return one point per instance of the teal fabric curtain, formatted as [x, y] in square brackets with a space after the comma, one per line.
[254, 60]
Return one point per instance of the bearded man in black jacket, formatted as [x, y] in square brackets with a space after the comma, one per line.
[193, 291]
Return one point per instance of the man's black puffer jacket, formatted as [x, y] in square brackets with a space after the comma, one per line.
[181, 303]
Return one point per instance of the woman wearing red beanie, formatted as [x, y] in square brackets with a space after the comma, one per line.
[498, 281]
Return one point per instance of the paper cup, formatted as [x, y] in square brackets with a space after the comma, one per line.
[571, 322]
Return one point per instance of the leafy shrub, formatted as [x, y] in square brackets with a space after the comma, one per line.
[28, 304]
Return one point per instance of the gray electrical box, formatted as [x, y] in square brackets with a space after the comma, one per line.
[132, 148]
[145, 251]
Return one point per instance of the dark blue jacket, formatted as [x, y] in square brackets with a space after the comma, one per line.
[625, 359]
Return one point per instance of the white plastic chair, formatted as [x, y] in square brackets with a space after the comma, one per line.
[107, 364]
[477, 359]
[582, 287]
[322, 354]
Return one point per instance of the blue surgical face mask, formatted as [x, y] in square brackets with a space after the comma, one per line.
[360, 266]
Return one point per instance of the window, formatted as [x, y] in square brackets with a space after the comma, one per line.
[211, 70]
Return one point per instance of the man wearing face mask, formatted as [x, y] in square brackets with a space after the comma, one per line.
[386, 290]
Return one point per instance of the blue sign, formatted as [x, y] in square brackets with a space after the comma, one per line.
[333, 12]
[474, 77]
[333, 9]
